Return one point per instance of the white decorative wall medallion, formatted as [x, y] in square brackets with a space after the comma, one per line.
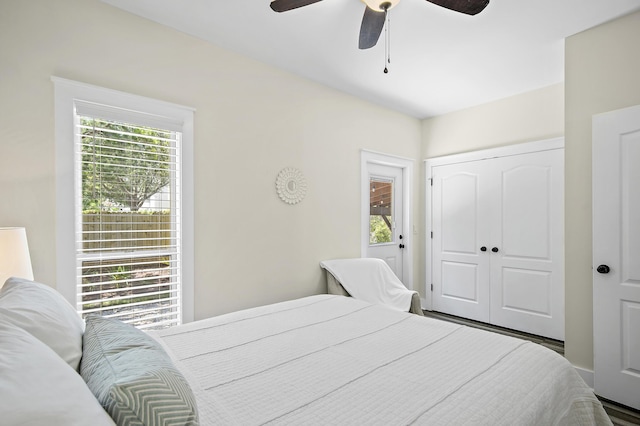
[291, 185]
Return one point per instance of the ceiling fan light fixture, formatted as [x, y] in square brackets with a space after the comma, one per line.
[380, 5]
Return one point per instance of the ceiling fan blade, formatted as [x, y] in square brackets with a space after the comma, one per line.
[470, 7]
[284, 5]
[372, 24]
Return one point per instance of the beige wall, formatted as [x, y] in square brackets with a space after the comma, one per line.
[251, 121]
[531, 116]
[602, 73]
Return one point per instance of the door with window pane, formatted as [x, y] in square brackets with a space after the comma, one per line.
[385, 215]
[128, 221]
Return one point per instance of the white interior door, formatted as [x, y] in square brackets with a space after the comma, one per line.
[386, 239]
[460, 274]
[616, 255]
[527, 243]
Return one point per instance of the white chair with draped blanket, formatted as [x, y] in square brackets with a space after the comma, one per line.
[371, 280]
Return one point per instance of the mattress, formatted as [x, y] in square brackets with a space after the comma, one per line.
[332, 360]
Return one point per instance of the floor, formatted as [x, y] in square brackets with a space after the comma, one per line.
[619, 414]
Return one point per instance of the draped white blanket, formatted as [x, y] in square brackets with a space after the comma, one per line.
[371, 280]
[333, 360]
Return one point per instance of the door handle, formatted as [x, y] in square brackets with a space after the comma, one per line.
[401, 246]
[483, 248]
[495, 249]
[603, 269]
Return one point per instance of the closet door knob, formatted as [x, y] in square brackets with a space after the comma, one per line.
[603, 269]
[483, 248]
[495, 249]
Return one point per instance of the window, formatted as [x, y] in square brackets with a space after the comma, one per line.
[127, 246]
[125, 230]
[380, 210]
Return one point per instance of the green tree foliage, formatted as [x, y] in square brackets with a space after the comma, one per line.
[122, 165]
[379, 231]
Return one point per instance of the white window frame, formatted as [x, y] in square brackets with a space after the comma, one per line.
[67, 94]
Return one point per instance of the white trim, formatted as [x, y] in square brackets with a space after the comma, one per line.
[127, 101]
[406, 164]
[427, 300]
[502, 151]
[68, 95]
[430, 163]
[387, 159]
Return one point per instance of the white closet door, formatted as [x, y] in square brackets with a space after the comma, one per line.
[460, 214]
[497, 250]
[527, 245]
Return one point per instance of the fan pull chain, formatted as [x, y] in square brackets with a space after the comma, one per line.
[387, 41]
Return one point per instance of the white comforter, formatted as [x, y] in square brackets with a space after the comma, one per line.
[333, 360]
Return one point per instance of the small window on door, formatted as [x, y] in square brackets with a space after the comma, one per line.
[380, 211]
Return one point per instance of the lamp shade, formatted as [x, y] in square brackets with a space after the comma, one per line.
[14, 255]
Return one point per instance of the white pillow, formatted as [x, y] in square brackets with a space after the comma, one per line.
[45, 314]
[38, 388]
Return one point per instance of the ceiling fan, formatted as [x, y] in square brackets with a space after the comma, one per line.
[375, 13]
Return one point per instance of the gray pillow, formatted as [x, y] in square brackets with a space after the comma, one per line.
[133, 377]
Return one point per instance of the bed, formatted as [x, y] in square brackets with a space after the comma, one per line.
[330, 359]
[318, 360]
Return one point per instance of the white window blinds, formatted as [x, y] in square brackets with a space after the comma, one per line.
[128, 216]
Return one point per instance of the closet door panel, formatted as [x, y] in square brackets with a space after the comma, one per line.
[460, 281]
[460, 273]
[527, 273]
[459, 201]
[527, 291]
[526, 212]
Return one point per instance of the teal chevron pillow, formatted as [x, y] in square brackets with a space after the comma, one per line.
[133, 377]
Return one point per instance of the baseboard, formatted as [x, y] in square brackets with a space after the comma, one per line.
[587, 375]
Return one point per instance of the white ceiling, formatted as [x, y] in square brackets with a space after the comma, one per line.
[441, 61]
